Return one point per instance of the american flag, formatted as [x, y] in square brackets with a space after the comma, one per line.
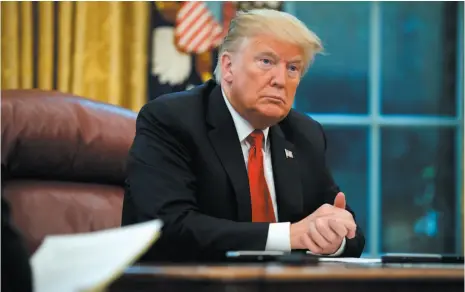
[197, 31]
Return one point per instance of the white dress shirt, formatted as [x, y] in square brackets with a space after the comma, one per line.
[279, 238]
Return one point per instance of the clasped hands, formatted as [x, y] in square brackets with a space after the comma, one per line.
[323, 231]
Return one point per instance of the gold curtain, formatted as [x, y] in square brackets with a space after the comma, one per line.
[93, 49]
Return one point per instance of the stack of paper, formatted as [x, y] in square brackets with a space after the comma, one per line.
[90, 261]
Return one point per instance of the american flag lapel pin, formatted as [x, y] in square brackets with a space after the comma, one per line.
[288, 153]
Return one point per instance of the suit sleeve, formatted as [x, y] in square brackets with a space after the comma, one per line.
[163, 185]
[354, 247]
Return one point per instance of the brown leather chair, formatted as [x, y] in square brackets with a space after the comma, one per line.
[63, 162]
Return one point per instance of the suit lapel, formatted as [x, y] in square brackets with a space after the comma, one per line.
[287, 178]
[227, 146]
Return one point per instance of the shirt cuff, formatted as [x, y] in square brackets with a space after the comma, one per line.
[279, 237]
[338, 252]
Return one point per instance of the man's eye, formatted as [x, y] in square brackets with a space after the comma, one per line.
[266, 61]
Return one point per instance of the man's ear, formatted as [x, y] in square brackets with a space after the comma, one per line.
[226, 67]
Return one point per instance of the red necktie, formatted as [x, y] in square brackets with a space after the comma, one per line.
[262, 207]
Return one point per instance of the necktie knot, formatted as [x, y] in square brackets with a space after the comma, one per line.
[256, 138]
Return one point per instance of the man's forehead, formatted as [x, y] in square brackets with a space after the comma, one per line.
[275, 47]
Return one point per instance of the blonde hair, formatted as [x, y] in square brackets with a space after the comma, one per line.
[281, 25]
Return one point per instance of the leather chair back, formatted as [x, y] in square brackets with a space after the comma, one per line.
[63, 162]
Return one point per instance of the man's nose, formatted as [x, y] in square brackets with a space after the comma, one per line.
[279, 76]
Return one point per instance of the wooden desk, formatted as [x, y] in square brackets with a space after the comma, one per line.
[327, 277]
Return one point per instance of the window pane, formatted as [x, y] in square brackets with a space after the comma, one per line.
[337, 82]
[418, 57]
[418, 190]
[348, 164]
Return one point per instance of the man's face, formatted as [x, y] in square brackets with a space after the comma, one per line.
[263, 76]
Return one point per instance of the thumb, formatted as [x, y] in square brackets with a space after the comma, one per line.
[340, 200]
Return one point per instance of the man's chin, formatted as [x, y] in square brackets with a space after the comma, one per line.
[273, 114]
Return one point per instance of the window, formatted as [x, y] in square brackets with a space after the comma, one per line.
[389, 93]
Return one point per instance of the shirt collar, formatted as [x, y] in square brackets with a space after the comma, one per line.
[243, 127]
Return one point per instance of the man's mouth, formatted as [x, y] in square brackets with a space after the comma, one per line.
[275, 98]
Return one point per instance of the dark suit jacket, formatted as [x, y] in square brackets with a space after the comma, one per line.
[186, 167]
[16, 269]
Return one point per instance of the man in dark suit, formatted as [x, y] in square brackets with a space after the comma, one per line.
[229, 166]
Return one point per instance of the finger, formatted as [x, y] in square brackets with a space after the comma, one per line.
[351, 228]
[337, 227]
[340, 200]
[317, 238]
[330, 210]
[311, 246]
[343, 226]
[351, 234]
[323, 228]
[340, 214]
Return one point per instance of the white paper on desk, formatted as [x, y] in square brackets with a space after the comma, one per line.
[90, 261]
[350, 260]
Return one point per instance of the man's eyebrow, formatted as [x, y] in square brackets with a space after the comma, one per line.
[272, 54]
[268, 53]
[296, 60]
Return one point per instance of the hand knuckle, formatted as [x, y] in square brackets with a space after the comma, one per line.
[348, 214]
[325, 207]
[319, 222]
[311, 224]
